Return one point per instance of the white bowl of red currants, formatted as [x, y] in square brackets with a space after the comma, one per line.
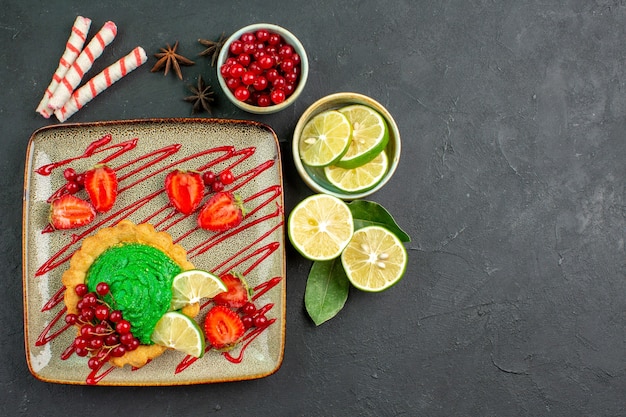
[262, 68]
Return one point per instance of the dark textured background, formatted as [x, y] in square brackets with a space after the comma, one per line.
[511, 184]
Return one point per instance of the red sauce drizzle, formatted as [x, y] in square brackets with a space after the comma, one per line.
[139, 170]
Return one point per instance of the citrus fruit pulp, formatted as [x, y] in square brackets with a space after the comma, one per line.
[320, 227]
[375, 259]
[189, 287]
[177, 331]
[361, 178]
[325, 138]
[370, 135]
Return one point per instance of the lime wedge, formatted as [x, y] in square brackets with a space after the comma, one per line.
[320, 227]
[369, 135]
[358, 179]
[375, 259]
[177, 331]
[325, 138]
[191, 286]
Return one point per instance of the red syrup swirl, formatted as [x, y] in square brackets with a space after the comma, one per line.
[132, 174]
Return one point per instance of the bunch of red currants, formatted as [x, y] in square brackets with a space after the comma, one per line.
[262, 69]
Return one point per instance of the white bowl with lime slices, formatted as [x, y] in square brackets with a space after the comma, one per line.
[346, 145]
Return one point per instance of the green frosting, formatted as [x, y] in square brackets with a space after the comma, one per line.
[140, 278]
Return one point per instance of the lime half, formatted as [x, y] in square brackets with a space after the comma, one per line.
[375, 259]
[361, 178]
[370, 135]
[191, 286]
[177, 331]
[325, 138]
[320, 227]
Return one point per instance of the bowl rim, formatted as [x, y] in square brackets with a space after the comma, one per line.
[346, 98]
[292, 40]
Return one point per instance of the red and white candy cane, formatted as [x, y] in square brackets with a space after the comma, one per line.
[101, 82]
[83, 63]
[73, 47]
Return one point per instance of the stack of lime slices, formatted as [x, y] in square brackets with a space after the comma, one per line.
[176, 330]
[349, 145]
[321, 228]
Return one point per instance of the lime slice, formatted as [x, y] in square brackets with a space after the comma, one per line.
[177, 331]
[325, 138]
[375, 259]
[358, 179]
[191, 286]
[320, 227]
[369, 135]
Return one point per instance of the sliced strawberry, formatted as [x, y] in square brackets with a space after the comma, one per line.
[101, 185]
[237, 293]
[221, 212]
[223, 327]
[185, 189]
[69, 212]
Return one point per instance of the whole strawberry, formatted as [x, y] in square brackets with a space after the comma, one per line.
[101, 185]
[221, 212]
[185, 190]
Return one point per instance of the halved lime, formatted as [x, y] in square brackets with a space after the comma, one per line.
[320, 227]
[361, 178]
[325, 138]
[375, 259]
[191, 286]
[177, 331]
[370, 135]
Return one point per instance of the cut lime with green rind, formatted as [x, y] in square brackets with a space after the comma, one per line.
[375, 259]
[361, 178]
[325, 139]
[320, 227]
[180, 332]
[370, 136]
[189, 287]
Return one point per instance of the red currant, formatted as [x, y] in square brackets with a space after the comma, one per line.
[115, 316]
[102, 288]
[227, 177]
[90, 300]
[80, 179]
[81, 352]
[262, 35]
[260, 83]
[71, 318]
[260, 321]
[266, 62]
[118, 351]
[122, 326]
[236, 47]
[247, 321]
[70, 174]
[94, 363]
[277, 96]
[244, 59]
[248, 309]
[208, 177]
[72, 187]
[102, 312]
[274, 39]
[81, 290]
[80, 342]
[248, 78]
[217, 186]
[242, 93]
[264, 100]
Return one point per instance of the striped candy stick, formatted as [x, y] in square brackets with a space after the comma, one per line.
[73, 47]
[83, 63]
[101, 82]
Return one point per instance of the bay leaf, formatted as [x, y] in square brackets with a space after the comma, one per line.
[369, 213]
[326, 290]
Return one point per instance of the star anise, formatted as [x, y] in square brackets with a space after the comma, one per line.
[169, 58]
[202, 97]
[213, 48]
